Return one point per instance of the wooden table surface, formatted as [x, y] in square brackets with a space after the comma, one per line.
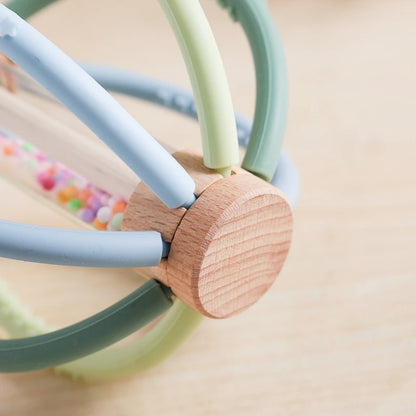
[337, 333]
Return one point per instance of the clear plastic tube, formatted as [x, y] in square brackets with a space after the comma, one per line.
[161, 93]
[180, 321]
[27, 165]
[96, 108]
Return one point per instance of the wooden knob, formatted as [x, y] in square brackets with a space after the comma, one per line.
[227, 249]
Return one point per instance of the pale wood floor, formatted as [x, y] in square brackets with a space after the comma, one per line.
[337, 333]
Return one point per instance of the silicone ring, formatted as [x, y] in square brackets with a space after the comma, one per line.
[207, 74]
[27, 8]
[271, 84]
[271, 79]
[172, 97]
[10, 29]
[285, 162]
[41, 74]
[83, 248]
[88, 336]
[205, 70]
[202, 58]
[181, 320]
[96, 108]
[175, 98]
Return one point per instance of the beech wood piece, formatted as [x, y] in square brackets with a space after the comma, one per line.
[228, 248]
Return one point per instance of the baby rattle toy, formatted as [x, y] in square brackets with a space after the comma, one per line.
[210, 236]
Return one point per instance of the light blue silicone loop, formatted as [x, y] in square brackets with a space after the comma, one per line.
[96, 108]
[80, 247]
[244, 127]
[181, 100]
[155, 344]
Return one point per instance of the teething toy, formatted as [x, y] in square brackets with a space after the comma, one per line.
[216, 240]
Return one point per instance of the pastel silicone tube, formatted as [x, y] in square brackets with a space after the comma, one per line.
[96, 108]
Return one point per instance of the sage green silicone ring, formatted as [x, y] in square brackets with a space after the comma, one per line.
[113, 362]
[168, 334]
[206, 72]
[209, 83]
[271, 78]
[219, 138]
[270, 118]
[87, 336]
[27, 8]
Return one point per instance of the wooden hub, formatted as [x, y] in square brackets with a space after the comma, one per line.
[228, 248]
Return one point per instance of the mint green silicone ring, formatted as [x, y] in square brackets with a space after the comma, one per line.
[271, 79]
[114, 362]
[209, 83]
[170, 333]
[87, 336]
[219, 131]
[206, 72]
[271, 83]
[139, 355]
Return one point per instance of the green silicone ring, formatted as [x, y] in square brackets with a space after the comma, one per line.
[206, 72]
[271, 83]
[87, 336]
[267, 133]
[159, 343]
[220, 144]
[271, 79]
[27, 8]
[139, 355]
[209, 83]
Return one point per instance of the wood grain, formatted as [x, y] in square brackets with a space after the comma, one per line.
[147, 212]
[230, 246]
[227, 249]
[336, 333]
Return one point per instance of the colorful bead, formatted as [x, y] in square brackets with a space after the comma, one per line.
[116, 221]
[41, 157]
[96, 206]
[48, 183]
[92, 200]
[8, 150]
[119, 206]
[46, 180]
[67, 194]
[84, 194]
[104, 214]
[100, 225]
[72, 191]
[88, 215]
[75, 204]
[27, 147]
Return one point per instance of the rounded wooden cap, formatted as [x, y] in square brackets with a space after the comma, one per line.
[230, 246]
[227, 249]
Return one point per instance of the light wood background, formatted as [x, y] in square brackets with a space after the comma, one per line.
[337, 333]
